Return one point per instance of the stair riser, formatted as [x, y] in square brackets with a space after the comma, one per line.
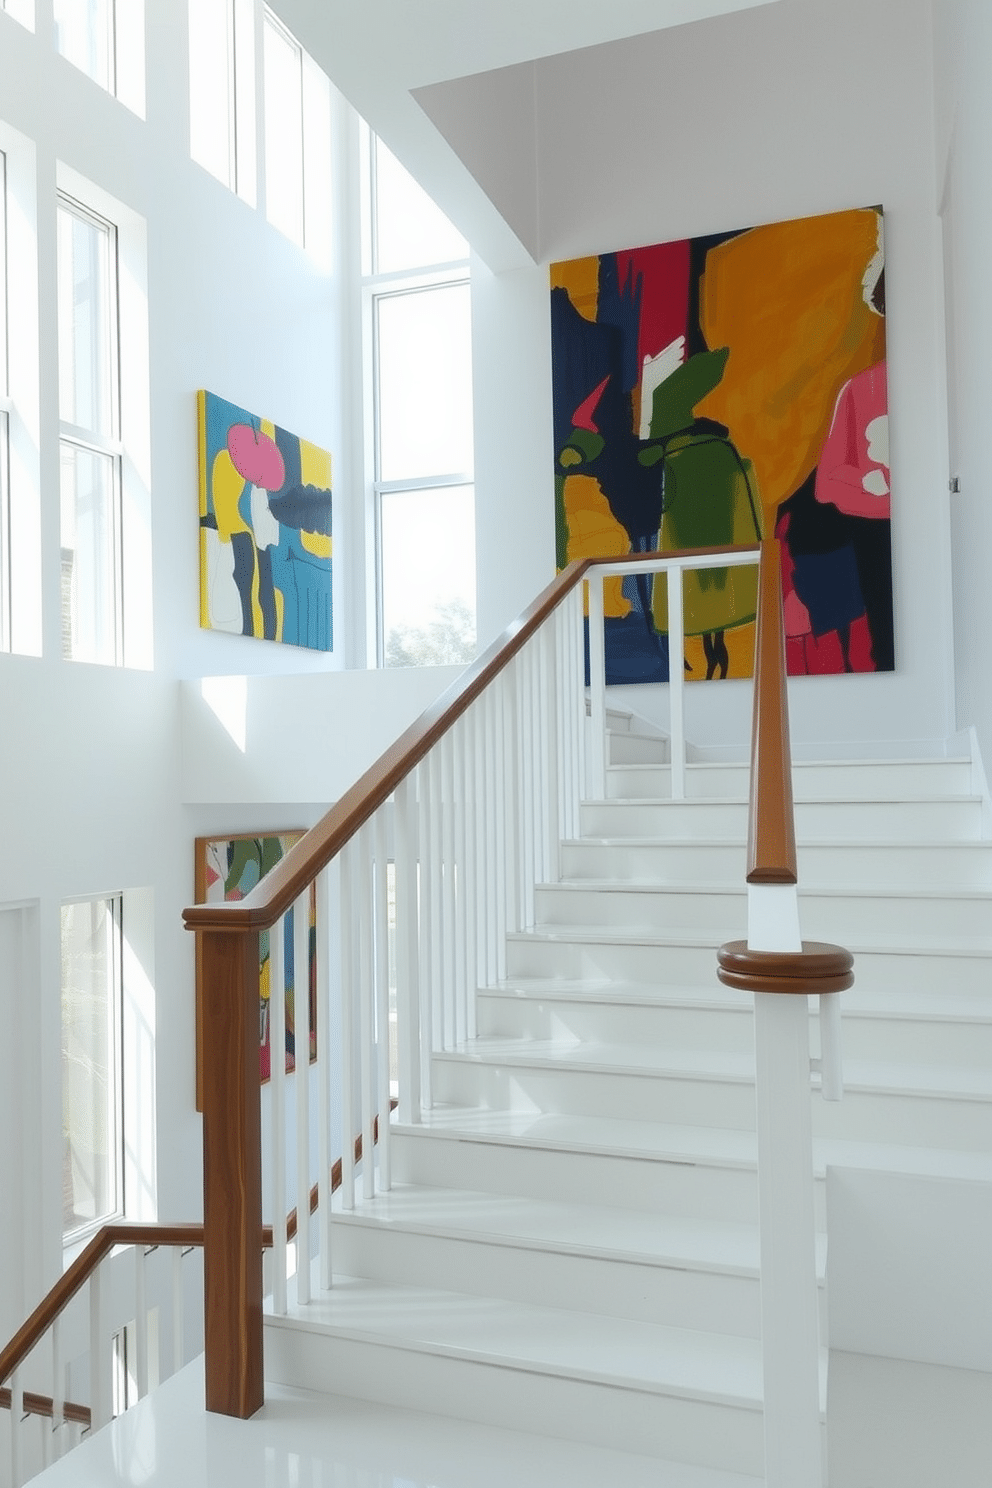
[723, 912]
[556, 1089]
[652, 1423]
[816, 821]
[847, 781]
[673, 1295]
[906, 1120]
[955, 865]
[675, 965]
[728, 1030]
[636, 749]
[879, 1036]
[697, 1190]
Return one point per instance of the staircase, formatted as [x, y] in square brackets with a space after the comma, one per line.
[570, 1243]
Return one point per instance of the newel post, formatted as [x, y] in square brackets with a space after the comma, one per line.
[232, 1172]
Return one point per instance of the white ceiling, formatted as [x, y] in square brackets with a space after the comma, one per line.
[378, 52]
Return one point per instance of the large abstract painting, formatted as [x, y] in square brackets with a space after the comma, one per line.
[713, 391]
[228, 868]
[265, 528]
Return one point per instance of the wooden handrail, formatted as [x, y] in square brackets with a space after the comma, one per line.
[283, 884]
[121, 1232]
[44, 1405]
[771, 840]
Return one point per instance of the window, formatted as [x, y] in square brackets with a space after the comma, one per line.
[222, 92]
[421, 341]
[89, 445]
[92, 1125]
[297, 110]
[104, 39]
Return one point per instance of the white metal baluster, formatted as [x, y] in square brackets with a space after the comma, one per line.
[419, 947]
[522, 749]
[381, 920]
[533, 743]
[301, 1026]
[435, 867]
[58, 1386]
[16, 1443]
[580, 725]
[277, 1105]
[323, 918]
[494, 795]
[511, 798]
[101, 1390]
[366, 1008]
[485, 845]
[551, 713]
[474, 910]
[141, 1320]
[676, 681]
[349, 957]
[560, 718]
[597, 689]
[448, 882]
[177, 1309]
[458, 884]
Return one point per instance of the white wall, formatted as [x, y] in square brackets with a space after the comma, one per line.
[963, 45]
[777, 112]
[91, 795]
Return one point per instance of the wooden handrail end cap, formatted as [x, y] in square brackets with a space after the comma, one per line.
[818, 967]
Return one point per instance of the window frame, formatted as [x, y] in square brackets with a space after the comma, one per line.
[93, 441]
[76, 1237]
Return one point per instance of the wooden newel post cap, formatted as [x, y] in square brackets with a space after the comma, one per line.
[818, 967]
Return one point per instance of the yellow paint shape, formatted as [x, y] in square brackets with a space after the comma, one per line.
[580, 276]
[228, 487]
[317, 543]
[280, 612]
[740, 649]
[315, 466]
[787, 299]
[594, 532]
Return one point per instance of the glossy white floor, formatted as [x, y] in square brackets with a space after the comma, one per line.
[892, 1425]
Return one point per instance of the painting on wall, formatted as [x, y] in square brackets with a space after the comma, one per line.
[265, 528]
[716, 390]
[228, 868]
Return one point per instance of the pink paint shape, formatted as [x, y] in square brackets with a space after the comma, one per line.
[256, 457]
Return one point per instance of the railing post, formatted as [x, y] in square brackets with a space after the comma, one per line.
[597, 688]
[676, 681]
[232, 1174]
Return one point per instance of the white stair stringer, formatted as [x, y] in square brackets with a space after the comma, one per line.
[570, 1245]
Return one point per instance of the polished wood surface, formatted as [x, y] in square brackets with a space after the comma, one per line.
[771, 843]
[819, 967]
[232, 1176]
[75, 1276]
[273, 896]
[43, 1405]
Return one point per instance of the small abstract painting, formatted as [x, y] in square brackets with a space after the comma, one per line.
[712, 391]
[265, 528]
[228, 868]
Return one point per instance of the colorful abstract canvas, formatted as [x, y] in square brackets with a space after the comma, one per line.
[228, 868]
[715, 390]
[265, 528]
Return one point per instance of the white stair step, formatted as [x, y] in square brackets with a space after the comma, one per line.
[677, 1270]
[835, 914]
[811, 779]
[820, 864]
[629, 749]
[689, 1396]
[951, 818]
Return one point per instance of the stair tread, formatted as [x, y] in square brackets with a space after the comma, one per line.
[577, 1229]
[547, 1340]
[921, 945]
[691, 889]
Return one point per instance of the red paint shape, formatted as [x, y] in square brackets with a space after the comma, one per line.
[824, 658]
[795, 656]
[582, 418]
[663, 272]
[256, 457]
[860, 647]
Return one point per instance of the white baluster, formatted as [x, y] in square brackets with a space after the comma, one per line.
[177, 1309]
[277, 1105]
[101, 1378]
[524, 749]
[474, 906]
[415, 911]
[435, 869]
[301, 1027]
[551, 723]
[140, 1321]
[16, 1430]
[349, 978]
[366, 1008]
[496, 819]
[511, 797]
[831, 1056]
[446, 749]
[597, 689]
[459, 882]
[58, 1385]
[579, 726]
[676, 681]
[323, 917]
[381, 919]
